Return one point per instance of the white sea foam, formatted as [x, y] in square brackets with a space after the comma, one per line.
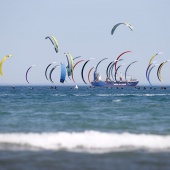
[136, 94]
[156, 94]
[88, 141]
[115, 101]
[81, 95]
[59, 95]
[122, 95]
[55, 95]
[104, 95]
[62, 95]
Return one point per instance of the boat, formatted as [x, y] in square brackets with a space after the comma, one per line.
[110, 83]
[130, 83]
[76, 87]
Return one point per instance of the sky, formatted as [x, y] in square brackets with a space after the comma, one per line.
[83, 28]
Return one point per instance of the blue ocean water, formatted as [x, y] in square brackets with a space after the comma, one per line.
[85, 128]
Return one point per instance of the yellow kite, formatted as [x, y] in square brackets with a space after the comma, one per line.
[2, 61]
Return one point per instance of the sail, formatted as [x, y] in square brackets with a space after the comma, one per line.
[26, 76]
[2, 61]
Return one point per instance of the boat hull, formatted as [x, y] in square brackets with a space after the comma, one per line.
[114, 84]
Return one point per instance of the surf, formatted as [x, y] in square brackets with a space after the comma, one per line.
[87, 141]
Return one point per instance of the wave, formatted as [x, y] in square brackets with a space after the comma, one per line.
[156, 94]
[132, 94]
[104, 95]
[59, 95]
[88, 141]
[81, 95]
[118, 100]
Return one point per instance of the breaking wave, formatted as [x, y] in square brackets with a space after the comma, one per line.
[88, 141]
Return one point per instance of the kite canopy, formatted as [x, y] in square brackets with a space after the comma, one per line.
[26, 76]
[70, 64]
[148, 68]
[119, 57]
[109, 70]
[50, 75]
[154, 57]
[63, 73]
[89, 74]
[2, 61]
[82, 71]
[117, 71]
[159, 70]
[74, 68]
[54, 42]
[148, 76]
[47, 69]
[128, 68]
[99, 63]
[126, 24]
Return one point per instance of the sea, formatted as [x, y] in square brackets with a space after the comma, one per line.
[62, 128]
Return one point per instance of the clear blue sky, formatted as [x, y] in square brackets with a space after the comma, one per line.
[82, 28]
